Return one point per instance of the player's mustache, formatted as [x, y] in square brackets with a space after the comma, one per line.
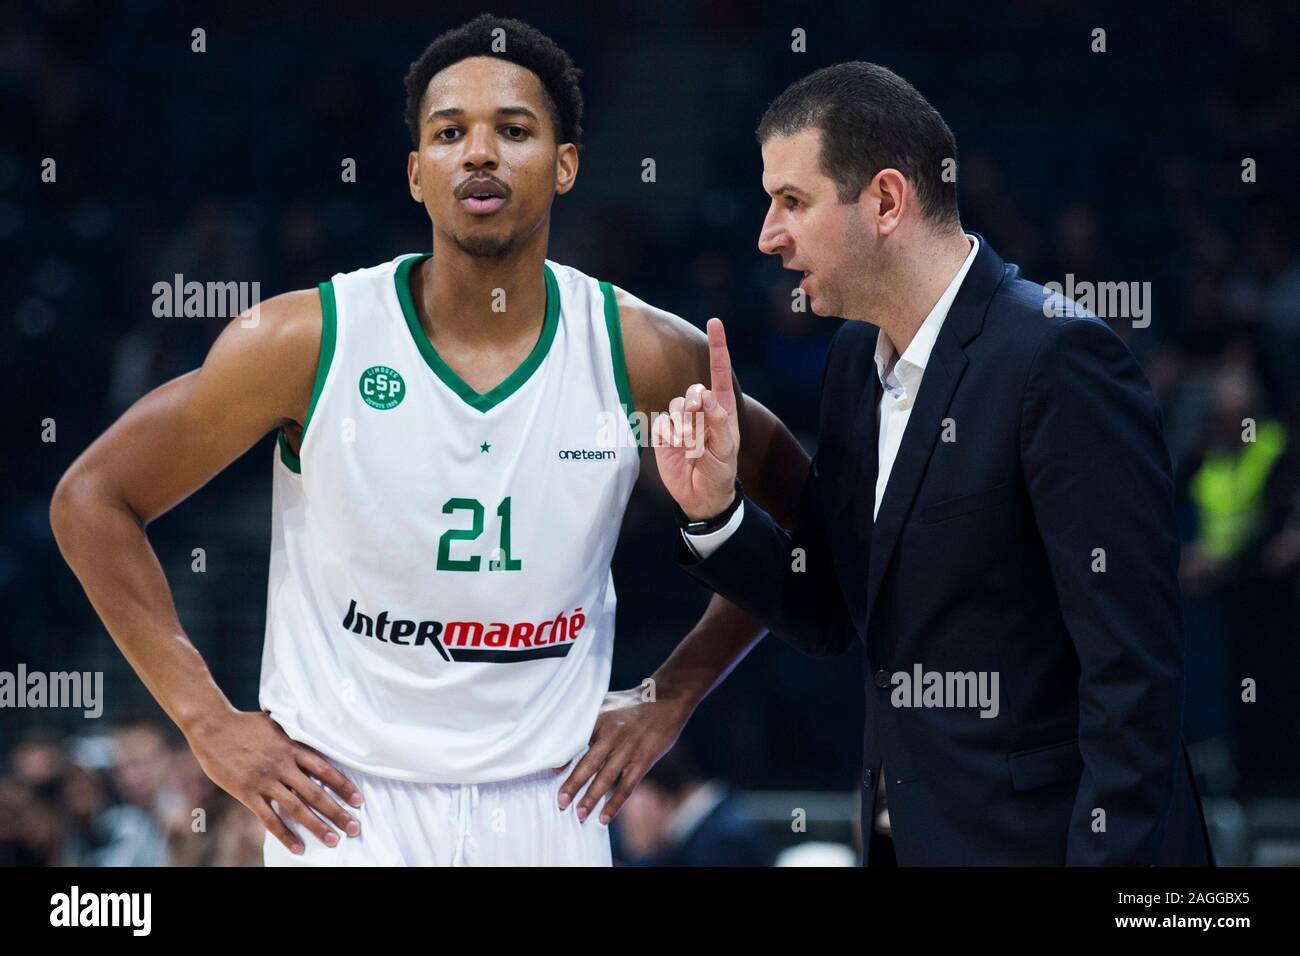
[477, 183]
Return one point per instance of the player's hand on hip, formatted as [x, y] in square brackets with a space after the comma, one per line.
[697, 444]
[250, 757]
[630, 736]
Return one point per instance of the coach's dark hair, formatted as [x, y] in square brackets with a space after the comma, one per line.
[870, 119]
[525, 46]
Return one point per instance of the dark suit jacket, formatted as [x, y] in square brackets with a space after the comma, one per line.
[1034, 441]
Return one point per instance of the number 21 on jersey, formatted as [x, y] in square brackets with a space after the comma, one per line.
[500, 560]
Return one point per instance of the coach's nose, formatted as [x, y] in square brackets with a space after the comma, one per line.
[773, 239]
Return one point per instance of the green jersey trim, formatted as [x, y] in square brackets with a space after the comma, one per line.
[487, 400]
[328, 336]
[615, 328]
[287, 457]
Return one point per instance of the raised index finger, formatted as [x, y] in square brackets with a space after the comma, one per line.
[720, 365]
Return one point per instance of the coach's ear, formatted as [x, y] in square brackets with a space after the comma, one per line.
[889, 195]
[566, 167]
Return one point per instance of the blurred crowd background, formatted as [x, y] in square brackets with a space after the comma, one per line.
[225, 166]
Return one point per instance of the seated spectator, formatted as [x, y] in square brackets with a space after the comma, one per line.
[677, 817]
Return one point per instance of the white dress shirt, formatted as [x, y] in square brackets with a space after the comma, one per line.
[900, 381]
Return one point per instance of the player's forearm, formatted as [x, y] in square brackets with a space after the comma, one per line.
[708, 653]
[104, 543]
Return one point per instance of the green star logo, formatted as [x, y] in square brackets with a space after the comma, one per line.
[485, 447]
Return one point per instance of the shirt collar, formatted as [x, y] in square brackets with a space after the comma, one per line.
[905, 370]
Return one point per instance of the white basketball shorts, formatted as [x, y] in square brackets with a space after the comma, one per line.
[510, 823]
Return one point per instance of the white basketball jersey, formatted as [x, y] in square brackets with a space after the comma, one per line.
[440, 606]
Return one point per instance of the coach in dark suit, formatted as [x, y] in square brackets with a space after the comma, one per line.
[989, 511]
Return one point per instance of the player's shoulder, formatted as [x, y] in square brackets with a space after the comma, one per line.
[652, 326]
[658, 338]
[380, 271]
[266, 357]
[664, 352]
[290, 321]
[365, 290]
[636, 316]
[274, 344]
[568, 275]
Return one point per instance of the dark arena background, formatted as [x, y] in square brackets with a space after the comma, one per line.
[1168, 157]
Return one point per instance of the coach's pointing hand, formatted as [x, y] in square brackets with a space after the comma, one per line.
[697, 443]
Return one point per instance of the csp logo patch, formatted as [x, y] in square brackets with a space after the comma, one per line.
[381, 387]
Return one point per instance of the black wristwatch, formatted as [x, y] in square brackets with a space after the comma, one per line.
[716, 523]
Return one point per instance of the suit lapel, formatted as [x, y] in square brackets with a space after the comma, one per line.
[868, 457]
[943, 373]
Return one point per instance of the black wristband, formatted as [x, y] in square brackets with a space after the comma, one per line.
[717, 522]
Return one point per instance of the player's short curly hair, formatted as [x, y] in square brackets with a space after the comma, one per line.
[518, 43]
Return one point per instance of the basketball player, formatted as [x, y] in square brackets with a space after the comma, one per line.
[440, 609]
